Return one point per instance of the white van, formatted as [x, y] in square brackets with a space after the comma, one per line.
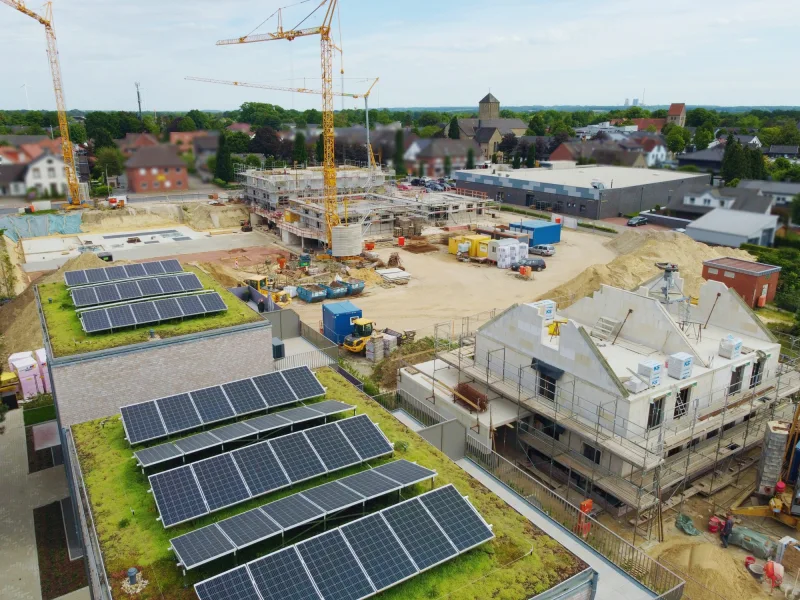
[543, 250]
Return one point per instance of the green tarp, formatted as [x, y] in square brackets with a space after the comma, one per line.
[685, 524]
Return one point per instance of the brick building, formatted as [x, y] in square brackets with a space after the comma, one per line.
[677, 114]
[754, 282]
[157, 169]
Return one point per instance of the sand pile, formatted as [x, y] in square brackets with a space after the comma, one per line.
[19, 320]
[366, 275]
[638, 253]
[203, 216]
[200, 216]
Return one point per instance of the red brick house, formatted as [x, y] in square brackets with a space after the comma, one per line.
[241, 128]
[643, 124]
[157, 169]
[677, 114]
[755, 282]
[133, 141]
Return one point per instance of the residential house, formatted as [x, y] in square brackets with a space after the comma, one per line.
[488, 138]
[781, 192]
[643, 124]
[156, 169]
[726, 227]
[36, 149]
[134, 141]
[709, 160]
[489, 117]
[185, 140]
[12, 179]
[18, 140]
[784, 151]
[47, 174]
[241, 128]
[676, 115]
[748, 139]
[602, 153]
[430, 155]
[700, 200]
[9, 155]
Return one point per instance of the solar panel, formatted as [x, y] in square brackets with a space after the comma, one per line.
[107, 293]
[84, 297]
[201, 546]
[267, 423]
[150, 287]
[220, 481]
[212, 404]
[261, 470]
[297, 457]
[330, 407]
[405, 472]
[142, 422]
[280, 576]
[120, 316]
[96, 275]
[233, 585]
[135, 270]
[197, 442]
[332, 496]
[170, 285]
[300, 414]
[129, 290]
[418, 532]
[168, 308]
[274, 389]
[75, 278]
[367, 439]
[332, 447]
[292, 511]
[178, 413]
[460, 522]
[115, 273]
[157, 454]
[190, 282]
[235, 431]
[144, 312]
[333, 567]
[369, 484]
[212, 302]
[153, 268]
[178, 496]
[95, 320]
[303, 383]
[171, 266]
[244, 396]
[190, 305]
[249, 527]
[378, 550]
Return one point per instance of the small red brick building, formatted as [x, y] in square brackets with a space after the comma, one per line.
[157, 169]
[754, 282]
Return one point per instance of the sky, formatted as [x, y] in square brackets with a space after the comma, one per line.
[426, 53]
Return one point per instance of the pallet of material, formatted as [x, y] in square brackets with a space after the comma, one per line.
[394, 275]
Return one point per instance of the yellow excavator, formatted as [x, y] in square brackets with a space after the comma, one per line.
[784, 507]
[356, 342]
[265, 285]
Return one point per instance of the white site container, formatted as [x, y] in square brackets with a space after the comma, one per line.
[523, 250]
[650, 370]
[547, 308]
[17, 356]
[495, 245]
[730, 347]
[680, 365]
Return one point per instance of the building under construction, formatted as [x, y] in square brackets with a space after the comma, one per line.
[629, 397]
[369, 207]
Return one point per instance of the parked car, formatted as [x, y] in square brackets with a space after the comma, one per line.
[434, 187]
[416, 181]
[636, 221]
[543, 250]
[537, 264]
[403, 186]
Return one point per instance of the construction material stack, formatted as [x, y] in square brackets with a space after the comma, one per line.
[680, 365]
[772, 453]
[375, 351]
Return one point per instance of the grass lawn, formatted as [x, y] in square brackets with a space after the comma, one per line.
[521, 562]
[67, 336]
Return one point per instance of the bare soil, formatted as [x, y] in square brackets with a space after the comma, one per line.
[197, 215]
[57, 573]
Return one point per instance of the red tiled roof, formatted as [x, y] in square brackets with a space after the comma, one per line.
[13, 154]
[243, 127]
[676, 109]
[643, 124]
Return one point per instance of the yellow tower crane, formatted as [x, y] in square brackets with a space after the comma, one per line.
[264, 86]
[55, 71]
[326, 52]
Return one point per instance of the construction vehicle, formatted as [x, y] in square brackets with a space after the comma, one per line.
[265, 285]
[356, 342]
[73, 187]
[784, 507]
[246, 226]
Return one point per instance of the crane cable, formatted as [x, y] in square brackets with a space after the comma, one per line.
[275, 13]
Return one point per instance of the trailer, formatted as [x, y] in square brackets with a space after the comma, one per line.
[540, 232]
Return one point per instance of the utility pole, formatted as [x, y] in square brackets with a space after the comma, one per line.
[139, 99]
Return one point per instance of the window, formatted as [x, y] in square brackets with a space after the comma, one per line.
[154, 171]
[167, 184]
[582, 208]
[155, 184]
[691, 200]
[757, 374]
[144, 185]
[37, 173]
[713, 271]
[179, 183]
[177, 169]
[559, 206]
[655, 416]
[51, 172]
[547, 387]
[682, 402]
[706, 201]
[729, 274]
[592, 453]
[142, 171]
[736, 380]
[166, 169]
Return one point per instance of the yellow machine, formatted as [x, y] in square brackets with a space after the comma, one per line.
[356, 342]
[266, 285]
[281, 298]
[779, 508]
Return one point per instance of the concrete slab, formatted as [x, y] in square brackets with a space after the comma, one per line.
[70, 529]
[81, 594]
[45, 435]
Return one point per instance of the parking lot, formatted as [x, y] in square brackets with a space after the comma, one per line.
[621, 223]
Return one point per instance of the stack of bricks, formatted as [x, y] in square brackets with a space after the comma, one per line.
[772, 454]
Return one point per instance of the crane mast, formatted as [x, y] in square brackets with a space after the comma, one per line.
[61, 107]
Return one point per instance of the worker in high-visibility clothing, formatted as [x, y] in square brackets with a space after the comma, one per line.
[776, 504]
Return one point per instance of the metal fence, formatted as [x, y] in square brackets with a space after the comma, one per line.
[627, 557]
[315, 359]
[421, 411]
[354, 381]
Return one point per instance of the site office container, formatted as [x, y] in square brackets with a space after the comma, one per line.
[338, 319]
[452, 244]
[475, 241]
[541, 232]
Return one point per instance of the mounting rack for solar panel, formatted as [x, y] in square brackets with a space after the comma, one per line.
[222, 531]
[191, 492]
[172, 451]
[82, 304]
[345, 559]
[128, 272]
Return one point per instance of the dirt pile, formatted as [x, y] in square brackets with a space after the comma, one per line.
[19, 319]
[369, 276]
[197, 215]
[203, 216]
[638, 253]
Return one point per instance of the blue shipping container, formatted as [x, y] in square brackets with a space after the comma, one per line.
[338, 318]
[541, 232]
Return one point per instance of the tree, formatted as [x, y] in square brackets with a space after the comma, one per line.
[319, 149]
[755, 162]
[453, 132]
[734, 161]
[675, 141]
[187, 124]
[430, 131]
[110, 159]
[507, 144]
[151, 125]
[299, 151]
[530, 159]
[794, 209]
[661, 113]
[102, 139]
[399, 153]
[77, 133]
[470, 158]
[266, 142]
[238, 142]
[733, 183]
[651, 129]
[421, 169]
[211, 163]
[198, 118]
[252, 160]
[536, 126]
[224, 166]
[517, 161]
[448, 165]
[703, 138]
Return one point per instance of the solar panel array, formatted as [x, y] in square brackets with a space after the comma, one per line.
[121, 272]
[207, 440]
[275, 518]
[145, 313]
[362, 558]
[212, 484]
[133, 290]
[146, 421]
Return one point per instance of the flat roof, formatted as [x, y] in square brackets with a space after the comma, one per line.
[742, 266]
[733, 222]
[584, 176]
